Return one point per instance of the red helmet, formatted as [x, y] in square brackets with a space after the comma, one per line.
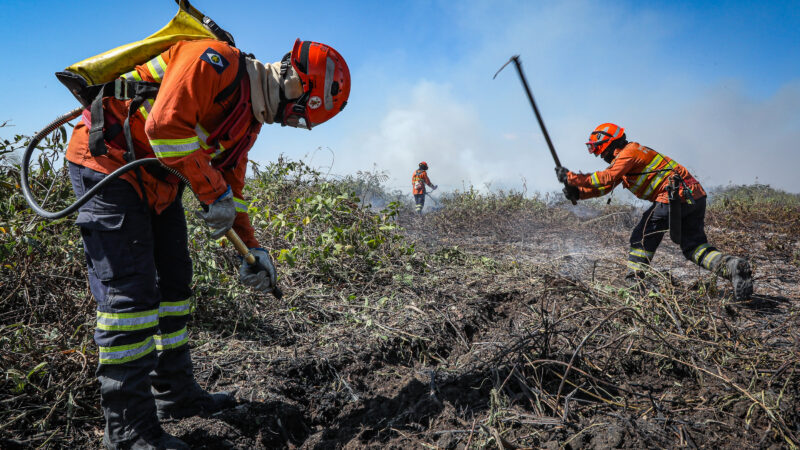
[602, 136]
[326, 84]
[423, 165]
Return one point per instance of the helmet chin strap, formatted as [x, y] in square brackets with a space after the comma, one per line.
[608, 155]
[281, 107]
[287, 73]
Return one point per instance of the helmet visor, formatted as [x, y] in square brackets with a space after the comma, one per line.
[296, 115]
[595, 147]
[597, 142]
[296, 121]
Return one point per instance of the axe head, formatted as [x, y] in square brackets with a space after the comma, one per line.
[513, 58]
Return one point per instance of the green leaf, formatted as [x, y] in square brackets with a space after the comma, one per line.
[39, 367]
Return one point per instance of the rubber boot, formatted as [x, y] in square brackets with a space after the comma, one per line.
[738, 271]
[639, 281]
[163, 441]
[177, 394]
[129, 407]
[634, 278]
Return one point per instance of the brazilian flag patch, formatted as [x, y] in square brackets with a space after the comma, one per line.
[217, 61]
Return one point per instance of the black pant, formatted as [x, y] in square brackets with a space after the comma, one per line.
[649, 232]
[419, 199]
[140, 274]
[139, 268]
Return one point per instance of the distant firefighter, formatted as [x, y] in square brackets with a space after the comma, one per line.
[418, 182]
[679, 205]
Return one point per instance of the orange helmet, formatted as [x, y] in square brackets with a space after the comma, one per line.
[326, 84]
[602, 136]
[423, 165]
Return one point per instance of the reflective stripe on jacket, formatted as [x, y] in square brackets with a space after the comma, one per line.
[174, 127]
[640, 169]
[418, 181]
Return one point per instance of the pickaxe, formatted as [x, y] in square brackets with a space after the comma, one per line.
[518, 65]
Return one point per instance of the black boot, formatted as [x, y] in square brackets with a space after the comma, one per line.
[163, 441]
[640, 282]
[738, 271]
[129, 407]
[177, 394]
[732, 268]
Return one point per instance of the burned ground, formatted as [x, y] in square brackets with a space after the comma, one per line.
[506, 324]
[500, 335]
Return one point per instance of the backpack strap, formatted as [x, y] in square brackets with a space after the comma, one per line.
[137, 92]
[231, 88]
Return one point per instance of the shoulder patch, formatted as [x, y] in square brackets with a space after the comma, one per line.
[217, 61]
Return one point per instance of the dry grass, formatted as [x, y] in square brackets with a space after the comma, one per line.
[481, 325]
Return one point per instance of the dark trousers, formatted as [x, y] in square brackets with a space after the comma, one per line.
[649, 232]
[419, 200]
[140, 275]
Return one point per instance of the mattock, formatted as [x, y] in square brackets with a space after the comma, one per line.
[518, 65]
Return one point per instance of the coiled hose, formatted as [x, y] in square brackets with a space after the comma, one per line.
[26, 190]
[26, 160]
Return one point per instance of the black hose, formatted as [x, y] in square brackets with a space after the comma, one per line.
[26, 159]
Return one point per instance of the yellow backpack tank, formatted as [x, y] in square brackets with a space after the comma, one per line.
[85, 78]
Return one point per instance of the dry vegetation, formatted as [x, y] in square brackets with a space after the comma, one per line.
[497, 321]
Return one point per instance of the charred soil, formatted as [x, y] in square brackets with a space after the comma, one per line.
[508, 326]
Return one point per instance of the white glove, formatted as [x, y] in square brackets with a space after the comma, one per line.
[220, 214]
[262, 274]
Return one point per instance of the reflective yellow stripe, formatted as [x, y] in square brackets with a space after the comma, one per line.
[218, 152]
[124, 353]
[709, 258]
[170, 148]
[641, 253]
[144, 110]
[172, 340]
[202, 134]
[181, 308]
[636, 266]
[645, 173]
[241, 205]
[127, 321]
[597, 184]
[698, 250]
[659, 178]
[133, 75]
[157, 66]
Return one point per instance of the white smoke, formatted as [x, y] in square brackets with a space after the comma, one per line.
[585, 66]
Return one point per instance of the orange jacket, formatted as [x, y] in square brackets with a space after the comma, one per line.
[640, 169]
[418, 181]
[175, 126]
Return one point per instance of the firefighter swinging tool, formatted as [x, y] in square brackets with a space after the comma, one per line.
[518, 65]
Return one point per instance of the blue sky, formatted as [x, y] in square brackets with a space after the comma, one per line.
[715, 85]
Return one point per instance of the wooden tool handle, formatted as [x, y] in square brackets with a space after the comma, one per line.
[240, 247]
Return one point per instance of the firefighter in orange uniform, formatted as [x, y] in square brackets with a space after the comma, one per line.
[198, 108]
[418, 181]
[647, 174]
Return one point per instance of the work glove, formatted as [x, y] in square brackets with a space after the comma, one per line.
[220, 214]
[262, 274]
[571, 192]
[561, 174]
[434, 187]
